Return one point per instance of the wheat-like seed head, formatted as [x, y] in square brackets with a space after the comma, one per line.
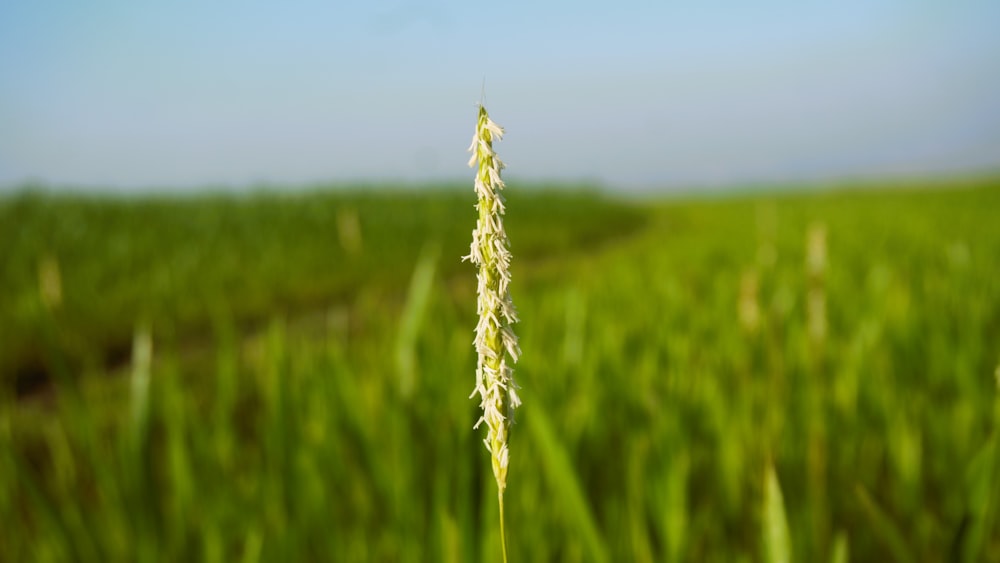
[496, 344]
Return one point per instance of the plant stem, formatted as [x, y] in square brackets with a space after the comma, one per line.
[503, 532]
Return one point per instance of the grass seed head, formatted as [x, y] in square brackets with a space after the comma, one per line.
[495, 342]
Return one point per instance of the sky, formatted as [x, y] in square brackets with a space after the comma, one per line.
[132, 95]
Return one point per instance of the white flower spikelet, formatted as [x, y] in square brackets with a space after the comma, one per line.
[495, 342]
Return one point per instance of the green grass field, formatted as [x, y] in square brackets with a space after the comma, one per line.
[742, 378]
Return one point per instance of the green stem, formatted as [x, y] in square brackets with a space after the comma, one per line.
[503, 532]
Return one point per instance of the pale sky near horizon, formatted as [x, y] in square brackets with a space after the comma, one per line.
[128, 95]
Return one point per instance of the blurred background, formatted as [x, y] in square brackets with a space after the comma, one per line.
[754, 255]
[634, 95]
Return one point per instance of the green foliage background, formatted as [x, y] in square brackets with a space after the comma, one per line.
[307, 402]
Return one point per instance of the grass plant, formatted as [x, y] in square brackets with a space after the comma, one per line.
[496, 344]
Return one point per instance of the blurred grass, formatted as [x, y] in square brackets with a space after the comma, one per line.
[672, 380]
[184, 262]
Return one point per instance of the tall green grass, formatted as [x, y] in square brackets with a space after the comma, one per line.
[184, 261]
[663, 425]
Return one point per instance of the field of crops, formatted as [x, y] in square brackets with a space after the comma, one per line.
[286, 377]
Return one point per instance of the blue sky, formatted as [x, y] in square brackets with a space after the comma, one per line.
[184, 94]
